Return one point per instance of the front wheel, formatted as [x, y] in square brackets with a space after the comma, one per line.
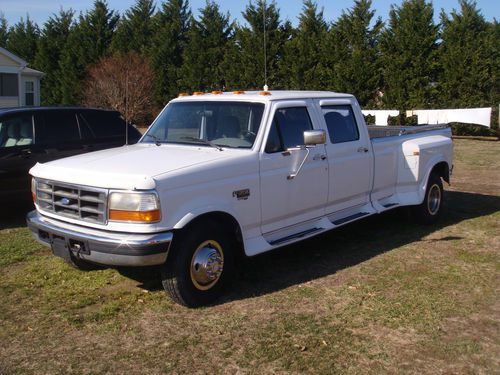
[429, 211]
[199, 264]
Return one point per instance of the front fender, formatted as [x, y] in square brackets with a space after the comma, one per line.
[182, 220]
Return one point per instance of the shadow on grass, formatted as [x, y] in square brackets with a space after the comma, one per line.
[13, 211]
[327, 253]
[338, 249]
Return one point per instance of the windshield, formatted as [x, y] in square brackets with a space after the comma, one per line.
[218, 124]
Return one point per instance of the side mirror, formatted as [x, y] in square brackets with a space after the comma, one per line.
[314, 137]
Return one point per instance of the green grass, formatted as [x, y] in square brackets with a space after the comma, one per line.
[379, 296]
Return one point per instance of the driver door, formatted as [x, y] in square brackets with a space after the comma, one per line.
[287, 201]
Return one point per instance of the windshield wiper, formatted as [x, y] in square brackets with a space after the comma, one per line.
[155, 138]
[204, 141]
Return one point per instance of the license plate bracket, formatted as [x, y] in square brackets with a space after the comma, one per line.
[60, 248]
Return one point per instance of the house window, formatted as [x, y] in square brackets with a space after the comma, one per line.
[8, 84]
[29, 92]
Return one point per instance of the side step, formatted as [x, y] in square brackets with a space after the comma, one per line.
[350, 218]
[295, 236]
[390, 205]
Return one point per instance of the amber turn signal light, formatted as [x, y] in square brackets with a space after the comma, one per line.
[137, 216]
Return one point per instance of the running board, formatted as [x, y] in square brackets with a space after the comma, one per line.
[294, 236]
[350, 218]
[390, 205]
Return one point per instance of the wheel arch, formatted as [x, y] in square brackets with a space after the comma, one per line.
[221, 217]
[442, 169]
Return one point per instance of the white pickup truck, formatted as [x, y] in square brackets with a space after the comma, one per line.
[220, 175]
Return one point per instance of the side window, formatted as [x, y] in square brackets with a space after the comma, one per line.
[274, 143]
[341, 123]
[56, 126]
[16, 131]
[104, 123]
[287, 129]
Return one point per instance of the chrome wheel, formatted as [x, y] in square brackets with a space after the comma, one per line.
[434, 199]
[207, 265]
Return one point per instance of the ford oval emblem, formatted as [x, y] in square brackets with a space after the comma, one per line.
[65, 201]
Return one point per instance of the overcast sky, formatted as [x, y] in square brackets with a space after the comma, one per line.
[41, 10]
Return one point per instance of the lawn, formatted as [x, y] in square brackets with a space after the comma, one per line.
[379, 296]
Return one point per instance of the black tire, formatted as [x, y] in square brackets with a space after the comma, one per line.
[184, 277]
[430, 210]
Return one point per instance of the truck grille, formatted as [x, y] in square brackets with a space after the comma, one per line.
[73, 201]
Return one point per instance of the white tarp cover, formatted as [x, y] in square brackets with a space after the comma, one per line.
[381, 116]
[479, 116]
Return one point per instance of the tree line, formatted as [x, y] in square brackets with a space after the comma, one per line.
[405, 62]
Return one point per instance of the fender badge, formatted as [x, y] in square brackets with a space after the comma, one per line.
[241, 194]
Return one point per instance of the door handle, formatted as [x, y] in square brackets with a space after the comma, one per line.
[319, 156]
[363, 149]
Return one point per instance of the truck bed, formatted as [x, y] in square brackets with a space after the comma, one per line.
[390, 131]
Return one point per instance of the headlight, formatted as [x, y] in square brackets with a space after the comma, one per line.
[134, 207]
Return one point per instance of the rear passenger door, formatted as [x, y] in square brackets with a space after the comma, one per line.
[287, 201]
[350, 159]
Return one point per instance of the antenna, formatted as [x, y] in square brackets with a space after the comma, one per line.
[126, 104]
[265, 49]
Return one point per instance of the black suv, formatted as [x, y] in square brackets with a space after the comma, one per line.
[40, 134]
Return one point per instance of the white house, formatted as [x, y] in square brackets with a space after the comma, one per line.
[19, 85]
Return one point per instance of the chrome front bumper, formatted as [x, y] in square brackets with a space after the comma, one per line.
[99, 246]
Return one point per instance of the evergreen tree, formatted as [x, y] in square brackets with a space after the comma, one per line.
[203, 68]
[53, 38]
[354, 42]
[136, 29]
[87, 42]
[22, 40]
[168, 46]
[304, 59]
[4, 31]
[247, 62]
[409, 56]
[468, 57]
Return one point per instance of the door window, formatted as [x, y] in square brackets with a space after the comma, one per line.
[16, 131]
[287, 129]
[104, 123]
[56, 126]
[341, 123]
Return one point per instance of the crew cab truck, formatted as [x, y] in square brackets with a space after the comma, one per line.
[220, 175]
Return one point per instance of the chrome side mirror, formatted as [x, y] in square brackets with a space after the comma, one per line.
[311, 138]
[314, 137]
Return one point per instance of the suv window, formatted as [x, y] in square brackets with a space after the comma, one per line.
[56, 126]
[16, 130]
[103, 123]
[341, 123]
[287, 129]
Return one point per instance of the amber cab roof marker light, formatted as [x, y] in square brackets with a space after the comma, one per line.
[216, 92]
[264, 93]
[238, 92]
[198, 93]
[183, 94]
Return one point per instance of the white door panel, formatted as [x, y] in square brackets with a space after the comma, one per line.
[287, 201]
[349, 156]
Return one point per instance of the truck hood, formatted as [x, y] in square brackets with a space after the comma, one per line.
[129, 167]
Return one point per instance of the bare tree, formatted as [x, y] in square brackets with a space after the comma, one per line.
[124, 82]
